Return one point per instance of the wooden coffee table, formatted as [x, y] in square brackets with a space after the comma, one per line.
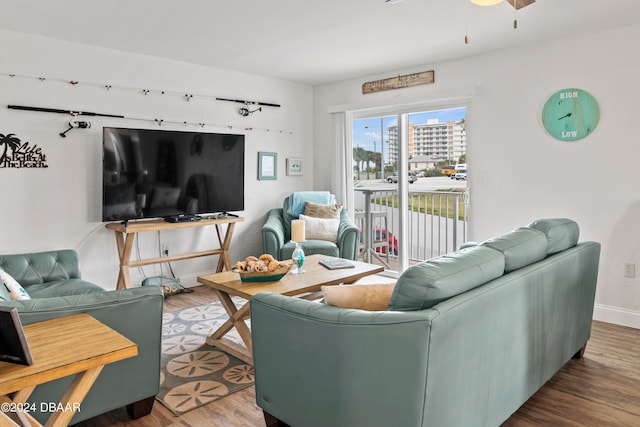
[227, 284]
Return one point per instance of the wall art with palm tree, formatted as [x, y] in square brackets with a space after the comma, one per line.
[18, 154]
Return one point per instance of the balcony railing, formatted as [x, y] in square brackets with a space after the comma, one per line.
[437, 223]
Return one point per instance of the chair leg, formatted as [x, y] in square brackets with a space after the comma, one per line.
[580, 352]
[141, 407]
[272, 421]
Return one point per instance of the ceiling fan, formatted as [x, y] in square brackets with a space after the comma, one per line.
[517, 4]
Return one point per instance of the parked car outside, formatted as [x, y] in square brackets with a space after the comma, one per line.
[448, 170]
[461, 174]
[393, 178]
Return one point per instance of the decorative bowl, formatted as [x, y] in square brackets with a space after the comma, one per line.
[264, 276]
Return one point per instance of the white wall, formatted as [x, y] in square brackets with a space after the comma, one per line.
[517, 172]
[60, 206]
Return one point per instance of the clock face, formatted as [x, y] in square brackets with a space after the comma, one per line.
[570, 114]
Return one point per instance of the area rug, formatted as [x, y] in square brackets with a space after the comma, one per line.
[192, 372]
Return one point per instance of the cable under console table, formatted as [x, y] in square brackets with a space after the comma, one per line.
[125, 236]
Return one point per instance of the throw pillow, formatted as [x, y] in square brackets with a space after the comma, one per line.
[362, 297]
[321, 228]
[322, 211]
[16, 291]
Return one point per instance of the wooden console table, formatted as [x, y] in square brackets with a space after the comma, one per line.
[125, 237]
[76, 344]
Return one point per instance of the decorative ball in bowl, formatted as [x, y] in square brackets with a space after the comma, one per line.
[261, 269]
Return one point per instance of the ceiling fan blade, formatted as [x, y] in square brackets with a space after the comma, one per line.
[519, 4]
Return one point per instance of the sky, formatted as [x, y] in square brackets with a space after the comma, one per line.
[366, 132]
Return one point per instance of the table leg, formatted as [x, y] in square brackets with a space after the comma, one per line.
[73, 397]
[19, 398]
[70, 402]
[236, 320]
[124, 254]
[224, 261]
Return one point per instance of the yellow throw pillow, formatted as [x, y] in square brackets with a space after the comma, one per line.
[372, 297]
[317, 210]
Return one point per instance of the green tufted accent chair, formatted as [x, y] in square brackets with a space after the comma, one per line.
[276, 235]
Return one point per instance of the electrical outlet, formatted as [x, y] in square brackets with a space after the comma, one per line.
[165, 249]
[630, 270]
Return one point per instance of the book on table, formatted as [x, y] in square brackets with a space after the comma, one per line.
[334, 264]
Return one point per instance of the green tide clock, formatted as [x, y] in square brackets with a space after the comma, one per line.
[570, 114]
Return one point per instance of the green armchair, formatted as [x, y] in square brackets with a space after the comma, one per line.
[276, 231]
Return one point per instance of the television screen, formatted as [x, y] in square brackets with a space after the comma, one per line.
[161, 174]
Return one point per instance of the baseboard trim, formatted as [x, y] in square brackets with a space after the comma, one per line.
[616, 315]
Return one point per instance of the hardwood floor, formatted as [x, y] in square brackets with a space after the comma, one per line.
[601, 389]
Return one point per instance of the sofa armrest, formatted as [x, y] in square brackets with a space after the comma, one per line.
[318, 365]
[135, 313]
[273, 233]
[348, 237]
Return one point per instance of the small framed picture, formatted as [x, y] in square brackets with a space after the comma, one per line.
[267, 165]
[294, 166]
[13, 344]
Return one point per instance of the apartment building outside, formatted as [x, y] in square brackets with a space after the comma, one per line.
[430, 143]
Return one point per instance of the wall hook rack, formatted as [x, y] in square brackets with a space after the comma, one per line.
[159, 122]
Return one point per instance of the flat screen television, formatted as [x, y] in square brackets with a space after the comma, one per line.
[170, 174]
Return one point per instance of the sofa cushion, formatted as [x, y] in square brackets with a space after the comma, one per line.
[520, 247]
[13, 289]
[469, 244]
[62, 288]
[562, 233]
[372, 297]
[320, 228]
[319, 247]
[430, 282]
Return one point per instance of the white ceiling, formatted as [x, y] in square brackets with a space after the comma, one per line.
[311, 42]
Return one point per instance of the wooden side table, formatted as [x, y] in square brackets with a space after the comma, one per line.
[125, 235]
[76, 344]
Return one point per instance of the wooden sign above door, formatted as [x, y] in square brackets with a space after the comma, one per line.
[399, 82]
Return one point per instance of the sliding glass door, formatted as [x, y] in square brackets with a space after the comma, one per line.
[404, 221]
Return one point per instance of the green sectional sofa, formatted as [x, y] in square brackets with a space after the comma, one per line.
[52, 280]
[467, 337]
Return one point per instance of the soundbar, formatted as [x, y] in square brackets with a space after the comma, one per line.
[182, 218]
